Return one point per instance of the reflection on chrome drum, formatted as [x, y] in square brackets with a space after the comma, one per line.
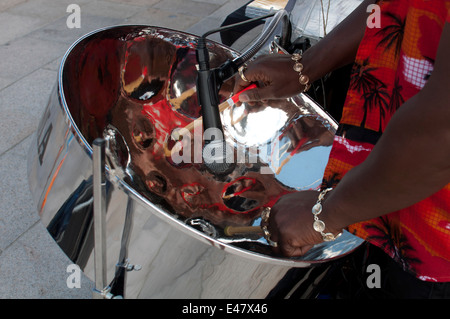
[134, 86]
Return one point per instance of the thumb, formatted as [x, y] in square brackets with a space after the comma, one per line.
[256, 95]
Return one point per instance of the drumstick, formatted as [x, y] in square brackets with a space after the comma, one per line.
[240, 118]
[129, 88]
[239, 230]
[286, 160]
[223, 106]
[176, 102]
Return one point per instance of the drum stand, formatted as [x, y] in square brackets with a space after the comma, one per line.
[101, 290]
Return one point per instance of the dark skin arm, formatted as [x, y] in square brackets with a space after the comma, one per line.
[412, 160]
[409, 163]
[336, 50]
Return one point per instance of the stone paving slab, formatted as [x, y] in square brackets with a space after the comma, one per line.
[38, 273]
[16, 215]
[24, 102]
[111, 9]
[14, 26]
[163, 18]
[21, 57]
[7, 4]
[195, 8]
[58, 32]
[4, 83]
[45, 9]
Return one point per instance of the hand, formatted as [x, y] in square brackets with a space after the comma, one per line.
[275, 76]
[291, 224]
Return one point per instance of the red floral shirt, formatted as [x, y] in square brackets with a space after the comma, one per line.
[393, 64]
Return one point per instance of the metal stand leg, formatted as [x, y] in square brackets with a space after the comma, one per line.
[102, 288]
[99, 183]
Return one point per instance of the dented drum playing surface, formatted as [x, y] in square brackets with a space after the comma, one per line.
[135, 86]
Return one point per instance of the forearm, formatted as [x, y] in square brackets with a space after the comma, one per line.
[410, 162]
[339, 47]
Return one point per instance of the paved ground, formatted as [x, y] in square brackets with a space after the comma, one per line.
[33, 38]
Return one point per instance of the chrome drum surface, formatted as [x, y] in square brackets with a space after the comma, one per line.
[135, 87]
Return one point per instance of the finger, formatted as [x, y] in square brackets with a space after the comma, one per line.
[256, 95]
[240, 84]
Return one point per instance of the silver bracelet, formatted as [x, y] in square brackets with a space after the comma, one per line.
[318, 225]
[265, 218]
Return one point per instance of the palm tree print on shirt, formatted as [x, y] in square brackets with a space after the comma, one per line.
[372, 89]
[396, 98]
[387, 232]
[362, 78]
[392, 34]
[377, 98]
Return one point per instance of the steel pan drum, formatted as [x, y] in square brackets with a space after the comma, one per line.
[135, 86]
